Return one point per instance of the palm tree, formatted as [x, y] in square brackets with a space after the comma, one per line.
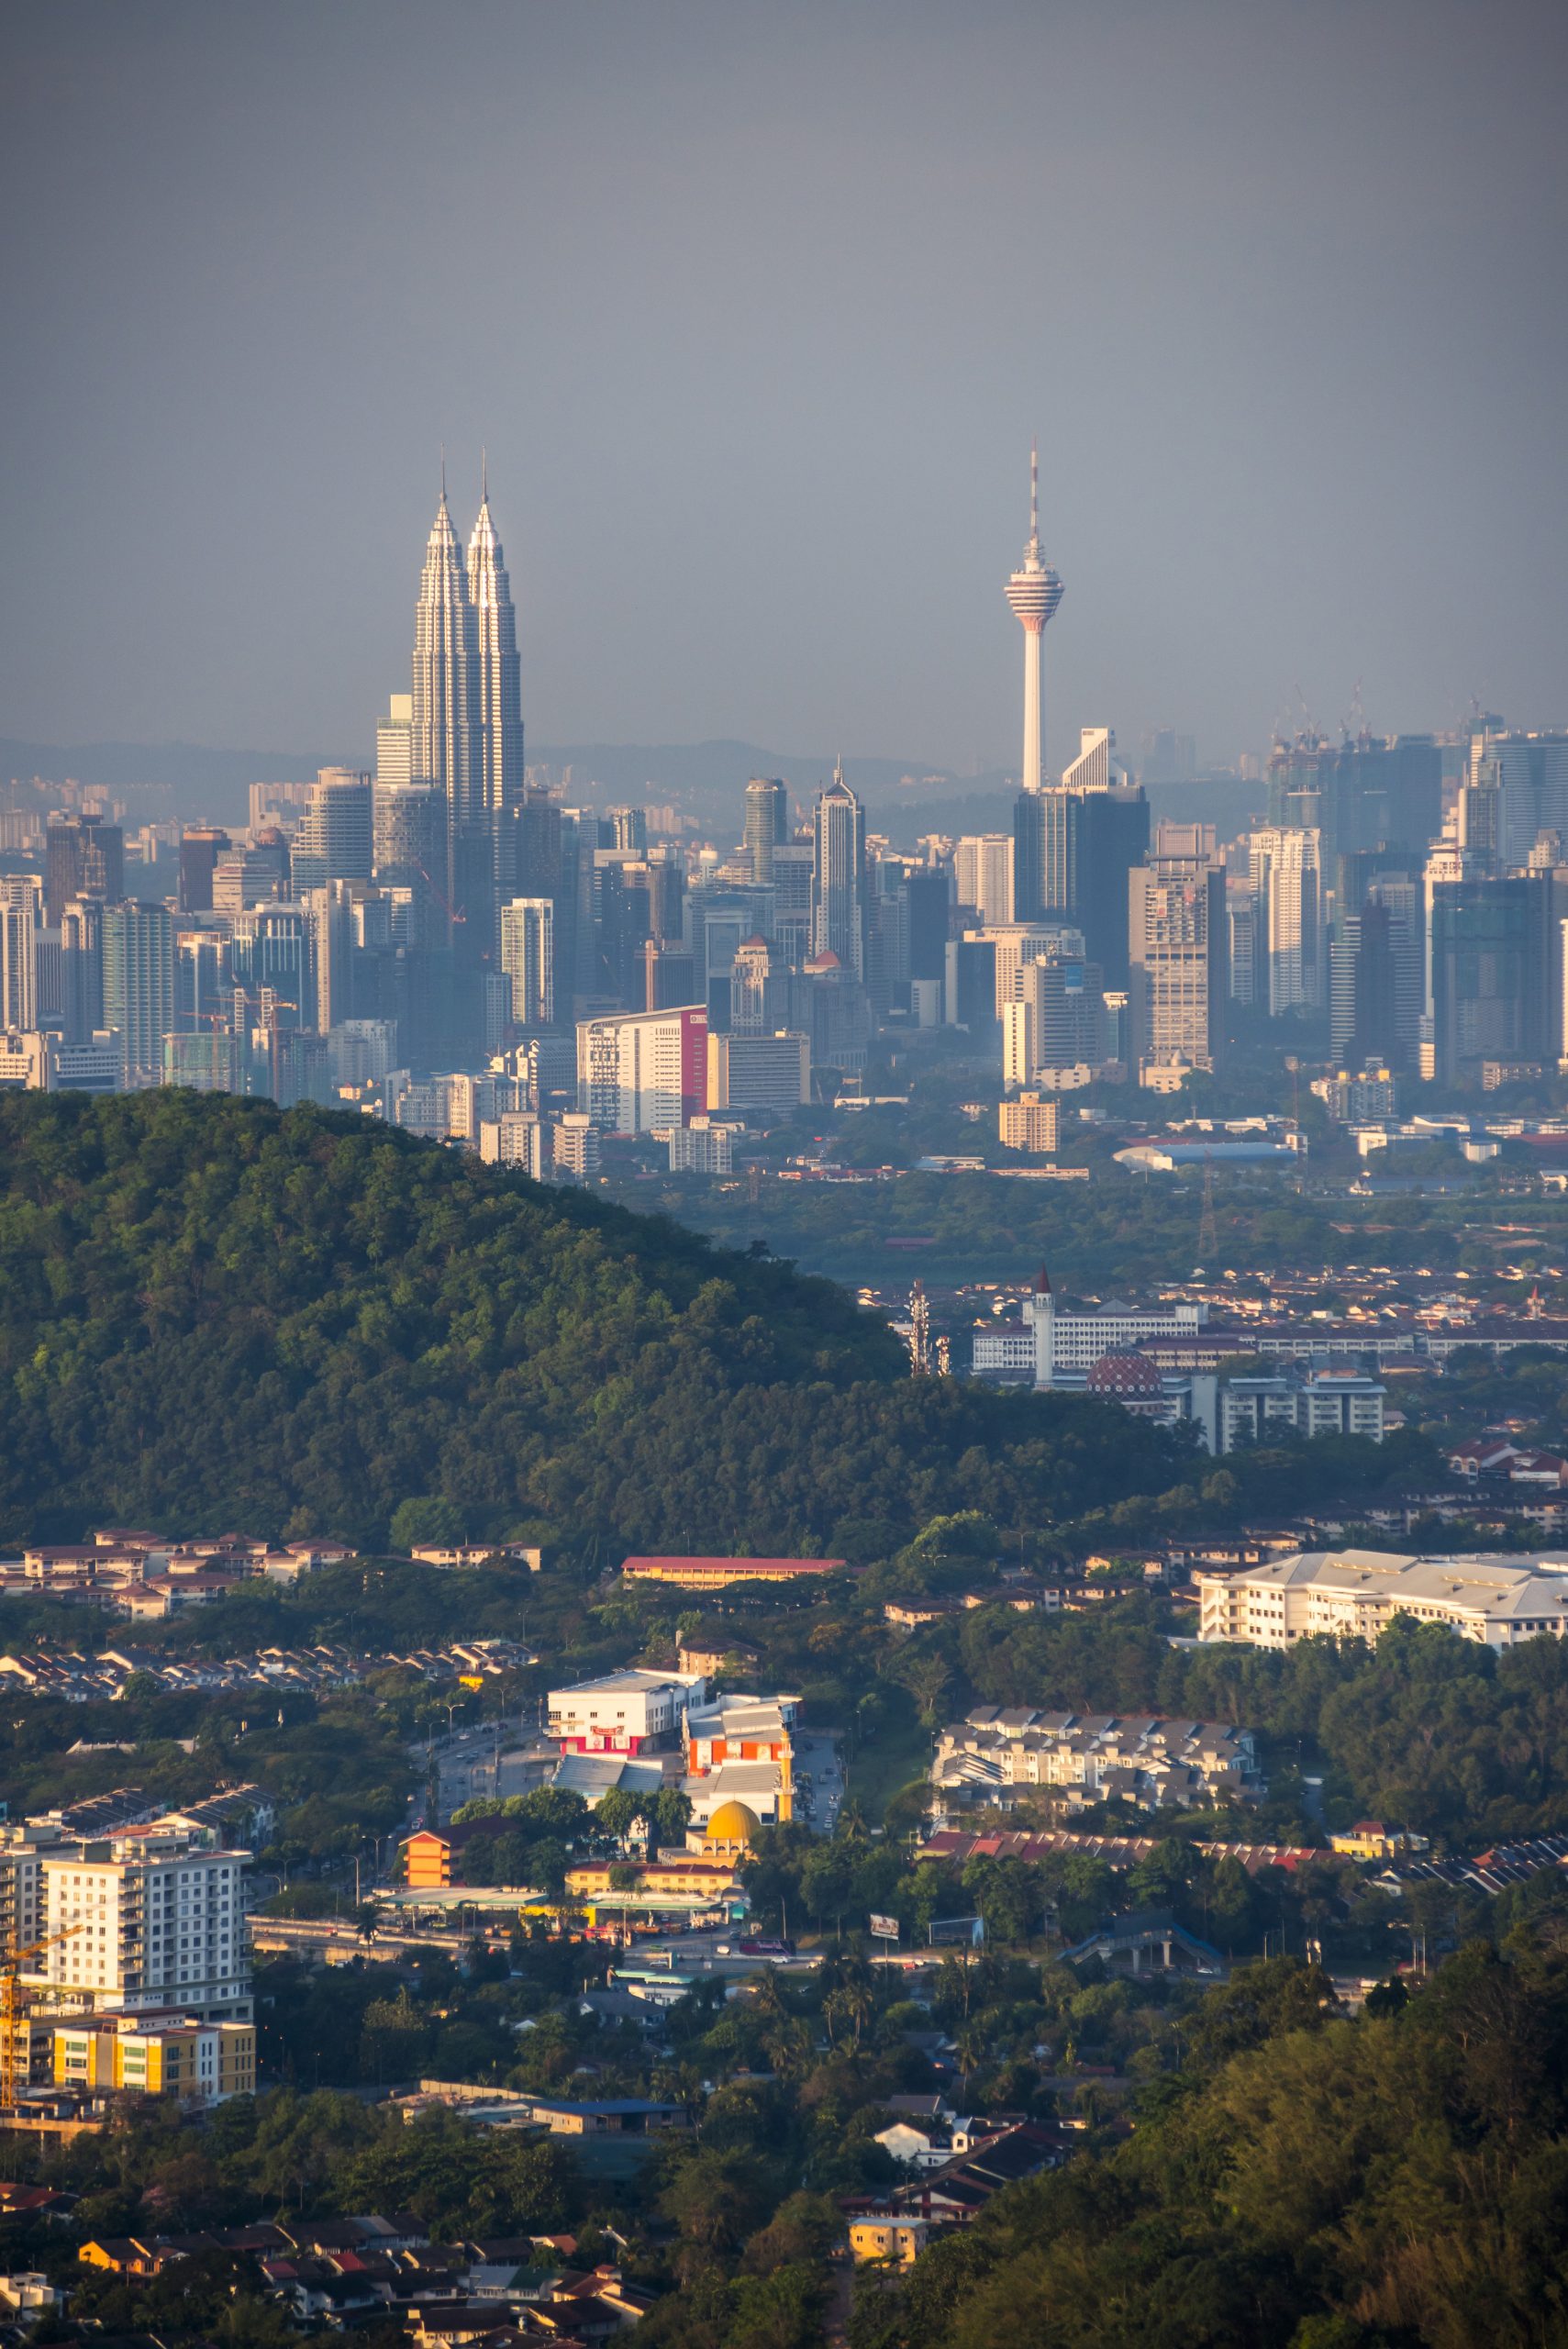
[969, 2041]
[859, 2004]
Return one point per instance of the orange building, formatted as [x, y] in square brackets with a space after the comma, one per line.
[715, 1574]
[428, 1860]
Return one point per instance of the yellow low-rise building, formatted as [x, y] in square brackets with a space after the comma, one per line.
[211, 2060]
[701, 1877]
[885, 2235]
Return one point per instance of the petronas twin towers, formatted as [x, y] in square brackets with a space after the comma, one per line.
[466, 737]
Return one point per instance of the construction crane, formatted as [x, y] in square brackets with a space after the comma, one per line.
[15, 2059]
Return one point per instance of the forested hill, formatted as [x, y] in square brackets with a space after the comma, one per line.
[216, 1313]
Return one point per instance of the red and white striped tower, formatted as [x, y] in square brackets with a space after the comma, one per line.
[1034, 591]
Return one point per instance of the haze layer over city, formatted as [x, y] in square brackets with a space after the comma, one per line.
[784, 1175]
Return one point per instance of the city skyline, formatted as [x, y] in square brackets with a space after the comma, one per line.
[1271, 459]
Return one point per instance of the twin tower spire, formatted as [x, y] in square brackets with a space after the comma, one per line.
[467, 734]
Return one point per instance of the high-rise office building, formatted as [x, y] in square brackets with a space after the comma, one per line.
[929, 893]
[767, 825]
[20, 906]
[394, 743]
[250, 876]
[138, 986]
[1375, 966]
[1028, 856]
[445, 748]
[1056, 1025]
[838, 877]
[81, 969]
[1073, 846]
[1490, 973]
[1034, 592]
[982, 871]
[336, 840]
[210, 1060]
[273, 956]
[627, 830]
[500, 713]
[1287, 878]
[201, 846]
[410, 852]
[669, 976]
[763, 1076]
[760, 992]
[1097, 766]
[1112, 837]
[204, 982]
[527, 958]
[641, 1073]
[1177, 940]
[84, 857]
[1524, 777]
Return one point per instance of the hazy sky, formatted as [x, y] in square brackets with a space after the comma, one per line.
[757, 307]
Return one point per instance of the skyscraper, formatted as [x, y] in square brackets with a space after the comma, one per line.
[201, 846]
[500, 714]
[82, 857]
[1034, 591]
[445, 748]
[838, 877]
[767, 825]
[19, 910]
[1073, 846]
[395, 742]
[627, 830]
[81, 969]
[983, 868]
[410, 849]
[1177, 940]
[1287, 878]
[335, 840]
[1490, 961]
[138, 986]
[527, 958]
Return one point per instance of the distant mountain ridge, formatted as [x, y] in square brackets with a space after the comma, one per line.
[704, 780]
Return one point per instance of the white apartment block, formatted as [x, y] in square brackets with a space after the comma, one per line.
[1356, 1593]
[516, 1138]
[983, 869]
[704, 1147]
[1327, 1401]
[573, 1147]
[1096, 1757]
[149, 1923]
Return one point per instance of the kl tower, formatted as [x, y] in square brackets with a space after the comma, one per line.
[1034, 591]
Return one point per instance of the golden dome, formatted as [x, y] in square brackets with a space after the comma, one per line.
[732, 1822]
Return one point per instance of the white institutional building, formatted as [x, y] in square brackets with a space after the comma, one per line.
[1050, 1342]
[1356, 1593]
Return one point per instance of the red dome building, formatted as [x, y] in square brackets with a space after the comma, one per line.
[1132, 1380]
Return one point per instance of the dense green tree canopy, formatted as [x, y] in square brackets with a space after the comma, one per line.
[214, 1312]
